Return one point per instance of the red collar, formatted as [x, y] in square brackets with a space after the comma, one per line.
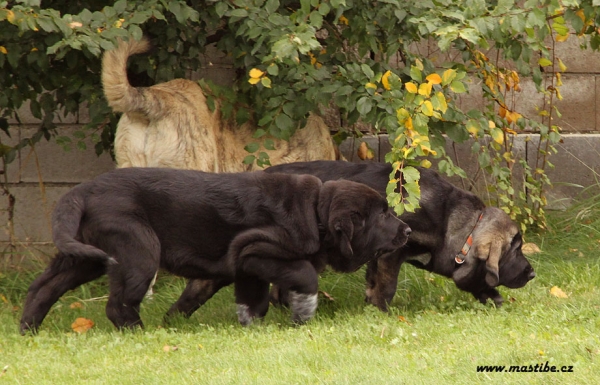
[460, 257]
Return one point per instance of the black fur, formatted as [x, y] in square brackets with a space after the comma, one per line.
[247, 228]
[439, 230]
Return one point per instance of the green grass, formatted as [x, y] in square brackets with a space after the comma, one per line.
[434, 333]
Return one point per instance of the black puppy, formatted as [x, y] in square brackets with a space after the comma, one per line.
[453, 234]
[250, 228]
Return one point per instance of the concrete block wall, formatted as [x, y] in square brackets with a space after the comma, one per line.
[37, 178]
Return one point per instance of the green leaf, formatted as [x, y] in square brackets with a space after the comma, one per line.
[252, 147]
[266, 82]
[271, 6]
[269, 144]
[249, 159]
[364, 106]
[284, 123]
[458, 87]
[427, 108]
[221, 8]
[416, 74]
[367, 71]
[238, 12]
[410, 174]
[273, 69]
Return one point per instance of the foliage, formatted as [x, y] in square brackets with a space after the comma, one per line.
[294, 57]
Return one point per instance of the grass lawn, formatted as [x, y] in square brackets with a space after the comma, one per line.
[434, 333]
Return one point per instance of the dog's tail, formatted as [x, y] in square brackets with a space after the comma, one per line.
[66, 219]
[121, 96]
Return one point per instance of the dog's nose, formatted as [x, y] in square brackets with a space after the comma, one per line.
[407, 231]
[531, 275]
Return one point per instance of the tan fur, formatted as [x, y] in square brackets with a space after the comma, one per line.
[170, 125]
[491, 239]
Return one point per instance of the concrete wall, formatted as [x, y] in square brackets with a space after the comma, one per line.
[38, 177]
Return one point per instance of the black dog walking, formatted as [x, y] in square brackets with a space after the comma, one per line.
[251, 229]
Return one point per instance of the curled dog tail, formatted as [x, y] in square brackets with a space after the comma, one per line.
[121, 96]
[65, 225]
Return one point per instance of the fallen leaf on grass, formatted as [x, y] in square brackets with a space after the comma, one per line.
[402, 319]
[3, 298]
[530, 248]
[76, 305]
[327, 295]
[557, 292]
[82, 325]
[168, 348]
[3, 372]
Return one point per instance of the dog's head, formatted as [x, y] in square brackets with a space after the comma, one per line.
[359, 224]
[495, 257]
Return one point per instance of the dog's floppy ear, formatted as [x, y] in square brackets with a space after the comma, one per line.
[490, 252]
[343, 230]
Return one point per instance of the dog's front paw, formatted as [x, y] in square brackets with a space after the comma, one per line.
[303, 306]
[245, 316]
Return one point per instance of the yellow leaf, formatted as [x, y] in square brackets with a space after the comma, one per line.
[253, 80]
[425, 89]
[491, 124]
[409, 124]
[411, 87]
[512, 116]
[371, 85]
[490, 81]
[419, 64]
[3, 298]
[255, 73]
[473, 129]
[82, 325]
[425, 163]
[343, 20]
[76, 305]
[386, 81]
[402, 114]
[10, 16]
[544, 62]
[557, 292]
[562, 38]
[559, 79]
[558, 95]
[448, 76]
[364, 152]
[561, 66]
[3, 49]
[497, 135]
[530, 248]
[427, 108]
[502, 112]
[434, 78]
[313, 59]
[442, 102]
